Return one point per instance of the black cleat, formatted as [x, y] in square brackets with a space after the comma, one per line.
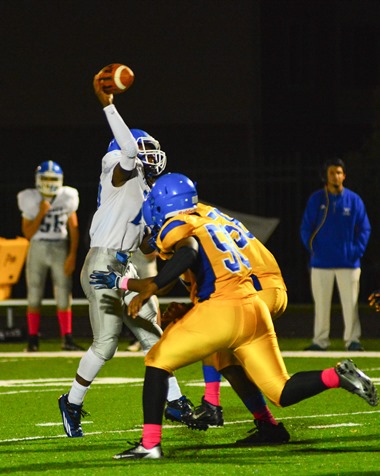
[33, 344]
[69, 344]
[176, 409]
[181, 411]
[210, 414]
[192, 423]
[265, 433]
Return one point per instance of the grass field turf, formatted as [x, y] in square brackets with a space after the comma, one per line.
[335, 433]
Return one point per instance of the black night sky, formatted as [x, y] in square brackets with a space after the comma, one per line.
[248, 97]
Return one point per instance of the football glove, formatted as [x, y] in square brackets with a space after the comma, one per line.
[104, 279]
[374, 300]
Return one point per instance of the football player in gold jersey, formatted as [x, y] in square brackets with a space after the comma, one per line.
[269, 283]
[228, 314]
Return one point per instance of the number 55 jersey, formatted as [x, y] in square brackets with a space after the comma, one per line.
[54, 224]
[222, 271]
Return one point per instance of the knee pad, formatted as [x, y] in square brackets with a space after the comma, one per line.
[105, 350]
[90, 365]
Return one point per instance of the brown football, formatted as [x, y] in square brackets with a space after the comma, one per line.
[116, 78]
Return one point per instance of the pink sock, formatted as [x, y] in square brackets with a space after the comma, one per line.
[212, 393]
[151, 435]
[65, 319]
[33, 319]
[330, 378]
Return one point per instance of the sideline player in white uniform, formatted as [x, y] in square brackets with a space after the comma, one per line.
[133, 160]
[50, 222]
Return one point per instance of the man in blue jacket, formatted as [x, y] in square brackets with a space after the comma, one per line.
[335, 230]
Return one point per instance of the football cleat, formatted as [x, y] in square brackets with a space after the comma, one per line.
[33, 344]
[176, 409]
[139, 452]
[265, 433]
[69, 344]
[71, 415]
[355, 381]
[181, 411]
[192, 423]
[208, 413]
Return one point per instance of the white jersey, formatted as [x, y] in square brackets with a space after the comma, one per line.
[117, 223]
[54, 223]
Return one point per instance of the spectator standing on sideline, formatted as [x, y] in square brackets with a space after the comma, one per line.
[335, 230]
[50, 222]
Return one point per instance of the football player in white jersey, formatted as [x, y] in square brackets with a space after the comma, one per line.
[50, 222]
[146, 266]
[129, 167]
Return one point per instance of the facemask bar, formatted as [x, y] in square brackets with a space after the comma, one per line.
[151, 155]
[49, 183]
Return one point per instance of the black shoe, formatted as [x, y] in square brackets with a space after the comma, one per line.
[177, 409]
[315, 347]
[69, 344]
[265, 433]
[210, 414]
[181, 411]
[32, 344]
[355, 347]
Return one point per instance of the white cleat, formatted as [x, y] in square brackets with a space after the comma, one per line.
[139, 452]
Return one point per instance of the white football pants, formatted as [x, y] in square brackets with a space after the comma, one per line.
[322, 286]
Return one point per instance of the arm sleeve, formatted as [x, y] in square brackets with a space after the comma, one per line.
[123, 136]
[182, 260]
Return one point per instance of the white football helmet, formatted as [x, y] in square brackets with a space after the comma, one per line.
[49, 178]
[150, 153]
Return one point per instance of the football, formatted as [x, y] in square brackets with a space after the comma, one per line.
[116, 78]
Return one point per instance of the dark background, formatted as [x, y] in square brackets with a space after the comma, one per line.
[247, 97]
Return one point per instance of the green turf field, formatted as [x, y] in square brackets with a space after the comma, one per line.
[335, 433]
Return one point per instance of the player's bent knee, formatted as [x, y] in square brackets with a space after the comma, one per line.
[104, 351]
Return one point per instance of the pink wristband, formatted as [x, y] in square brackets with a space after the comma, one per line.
[124, 283]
